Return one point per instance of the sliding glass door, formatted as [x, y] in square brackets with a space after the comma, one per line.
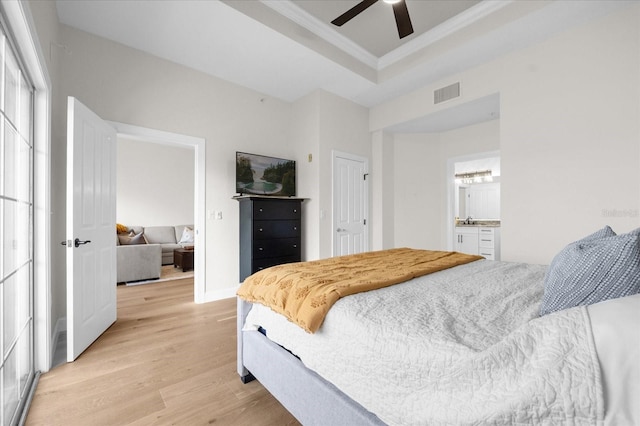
[16, 232]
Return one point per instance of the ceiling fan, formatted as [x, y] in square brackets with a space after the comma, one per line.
[403, 22]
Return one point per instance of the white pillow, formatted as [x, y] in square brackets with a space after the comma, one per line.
[187, 236]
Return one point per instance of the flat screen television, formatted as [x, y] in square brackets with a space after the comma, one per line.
[262, 175]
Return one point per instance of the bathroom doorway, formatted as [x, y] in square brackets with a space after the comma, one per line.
[473, 188]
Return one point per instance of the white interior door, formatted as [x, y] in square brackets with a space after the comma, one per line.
[350, 205]
[91, 221]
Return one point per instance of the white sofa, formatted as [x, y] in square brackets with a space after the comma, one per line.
[168, 237]
[136, 262]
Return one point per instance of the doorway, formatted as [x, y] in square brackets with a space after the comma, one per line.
[198, 145]
[459, 192]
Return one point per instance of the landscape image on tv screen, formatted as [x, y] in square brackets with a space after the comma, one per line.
[262, 175]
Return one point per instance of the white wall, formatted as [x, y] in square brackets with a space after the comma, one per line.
[322, 122]
[344, 127]
[421, 193]
[569, 136]
[305, 132]
[46, 20]
[382, 197]
[155, 184]
[417, 183]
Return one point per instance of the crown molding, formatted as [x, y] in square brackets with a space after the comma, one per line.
[301, 17]
[323, 30]
[458, 22]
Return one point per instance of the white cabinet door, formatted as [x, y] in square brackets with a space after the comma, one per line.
[466, 240]
[484, 201]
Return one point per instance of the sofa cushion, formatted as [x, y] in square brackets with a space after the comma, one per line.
[187, 236]
[136, 229]
[131, 239]
[179, 231]
[160, 234]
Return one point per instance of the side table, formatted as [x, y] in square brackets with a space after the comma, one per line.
[183, 258]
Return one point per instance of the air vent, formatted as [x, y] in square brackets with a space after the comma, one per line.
[446, 93]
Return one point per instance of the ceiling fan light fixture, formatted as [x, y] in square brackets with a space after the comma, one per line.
[400, 12]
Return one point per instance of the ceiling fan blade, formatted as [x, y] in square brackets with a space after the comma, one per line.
[403, 21]
[353, 12]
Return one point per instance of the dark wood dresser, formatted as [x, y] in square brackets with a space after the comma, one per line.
[270, 230]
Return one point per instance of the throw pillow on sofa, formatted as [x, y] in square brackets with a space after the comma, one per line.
[187, 236]
[132, 239]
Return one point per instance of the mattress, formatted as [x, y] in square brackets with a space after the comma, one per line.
[463, 345]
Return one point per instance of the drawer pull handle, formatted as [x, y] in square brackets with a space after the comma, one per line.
[295, 228]
[295, 246]
[260, 249]
[485, 240]
[295, 210]
[261, 209]
[260, 229]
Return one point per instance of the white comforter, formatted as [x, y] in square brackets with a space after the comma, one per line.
[461, 346]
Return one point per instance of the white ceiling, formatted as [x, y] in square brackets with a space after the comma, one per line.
[287, 49]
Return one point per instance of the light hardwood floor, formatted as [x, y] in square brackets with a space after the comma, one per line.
[166, 361]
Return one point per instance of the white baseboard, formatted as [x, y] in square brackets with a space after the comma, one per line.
[227, 293]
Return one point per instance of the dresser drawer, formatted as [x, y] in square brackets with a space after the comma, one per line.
[486, 241]
[486, 238]
[279, 247]
[268, 229]
[487, 253]
[276, 210]
[260, 264]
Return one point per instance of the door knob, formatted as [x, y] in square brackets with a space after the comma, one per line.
[77, 242]
[341, 230]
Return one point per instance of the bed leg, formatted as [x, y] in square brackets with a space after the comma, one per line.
[248, 378]
[243, 310]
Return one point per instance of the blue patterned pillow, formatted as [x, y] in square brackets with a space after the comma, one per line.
[599, 267]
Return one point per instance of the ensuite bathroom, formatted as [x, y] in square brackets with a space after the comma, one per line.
[477, 207]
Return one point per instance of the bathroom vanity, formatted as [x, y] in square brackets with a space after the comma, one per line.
[481, 239]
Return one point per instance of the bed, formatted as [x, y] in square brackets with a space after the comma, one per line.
[466, 344]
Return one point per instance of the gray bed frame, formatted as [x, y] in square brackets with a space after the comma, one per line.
[307, 396]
